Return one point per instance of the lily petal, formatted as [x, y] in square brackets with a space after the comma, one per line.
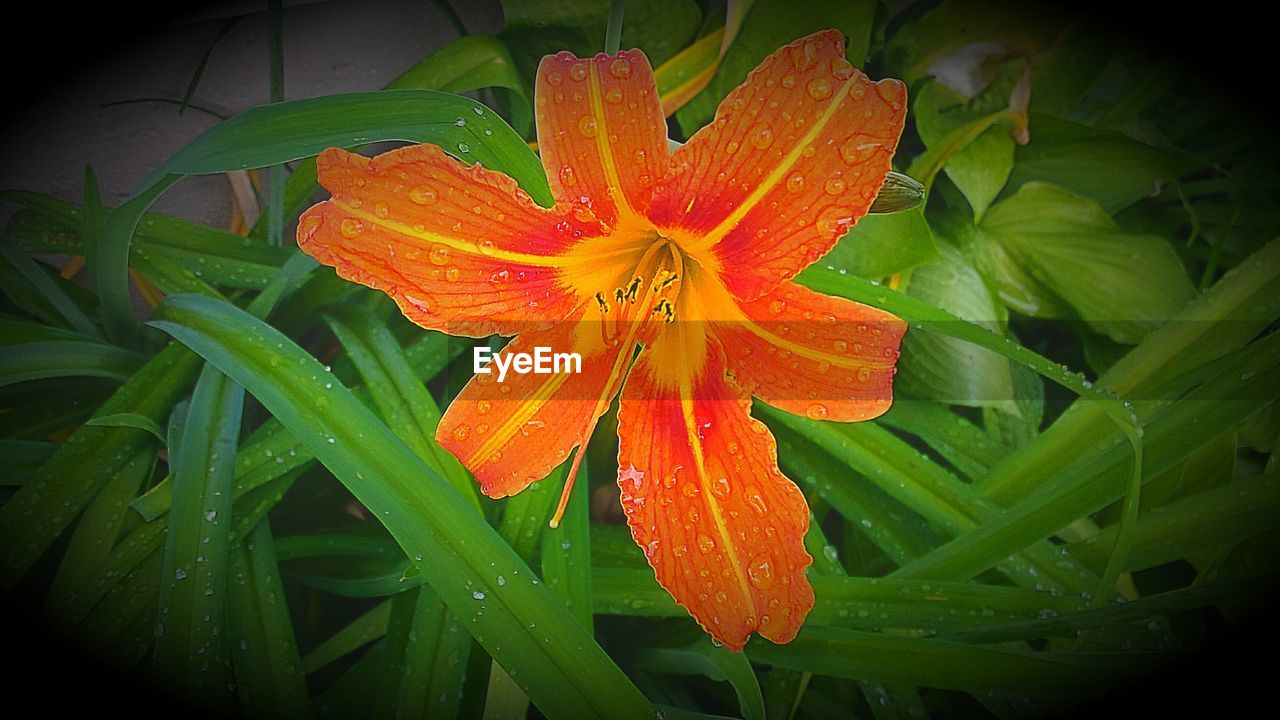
[812, 354]
[721, 526]
[794, 157]
[462, 250]
[601, 132]
[513, 432]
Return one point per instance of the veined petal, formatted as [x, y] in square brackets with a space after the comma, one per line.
[462, 250]
[513, 432]
[601, 133]
[813, 354]
[794, 157]
[722, 528]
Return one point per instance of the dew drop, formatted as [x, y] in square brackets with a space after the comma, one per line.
[461, 432]
[864, 374]
[816, 411]
[487, 247]
[439, 255]
[789, 81]
[587, 126]
[795, 183]
[720, 488]
[568, 176]
[452, 274]
[555, 79]
[578, 72]
[760, 573]
[841, 68]
[705, 543]
[620, 68]
[731, 147]
[423, 195]
[819, 88]
[762, 137]
[352, 227]
[484, 406]
[757, 503]
[381, 210]
[834, 186]
[613, 96]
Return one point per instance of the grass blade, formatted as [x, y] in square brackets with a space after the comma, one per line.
[518, 621]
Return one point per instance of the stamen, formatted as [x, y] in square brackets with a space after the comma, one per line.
[633, 289]
[604, 305]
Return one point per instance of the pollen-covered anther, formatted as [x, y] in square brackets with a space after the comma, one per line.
[666, 309]
[633, 290]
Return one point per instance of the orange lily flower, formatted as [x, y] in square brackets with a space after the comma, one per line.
[686, 255]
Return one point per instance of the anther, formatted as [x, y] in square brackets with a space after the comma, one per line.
[633, 289]
[604, 305]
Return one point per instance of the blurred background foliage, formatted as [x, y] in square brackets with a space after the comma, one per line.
[1076, 484]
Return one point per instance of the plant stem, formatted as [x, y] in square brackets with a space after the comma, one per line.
[613, 31]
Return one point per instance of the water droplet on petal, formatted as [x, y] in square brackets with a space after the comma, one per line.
[720, 487]
[452, 274]
[578, 72]
[835, 220]
[760, 572]
[613, 96]
[789, 81]
[816, 411]
[587, 126]
[834, 186]
[461, 432]
[423, 195]
[351, 227]
[841, 68]
[620, 68]
[795, 183]
[762, 137]
[381, 210]
[555, 79]
[567, 176]
[439, 255]
[819, 88]
[705, 543]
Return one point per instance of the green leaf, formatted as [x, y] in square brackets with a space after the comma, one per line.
[980, 168]
[931, 663]
[947, 369]
[274, 134]
[534, 28]
[881, 245]
[518, 621]
[191, 651]
[566, 554]
[1083, 487]
[1122, 284]
[43, 509]
[717, 663]
[468, 63]
[128, 420]
[66, 310]
[769, 25]
[66, 358]
[1104, 165]
[397, 393]
[270, 681]
[952, 25]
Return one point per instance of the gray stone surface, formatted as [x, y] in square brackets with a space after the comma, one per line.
[331, 46]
